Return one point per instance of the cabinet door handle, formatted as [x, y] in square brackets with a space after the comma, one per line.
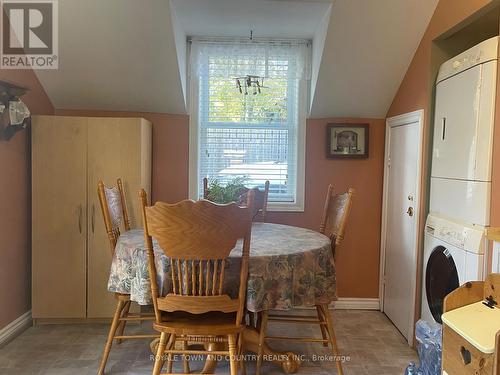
[80, 211]
[443, 129]
[93, 218]
[466, 356]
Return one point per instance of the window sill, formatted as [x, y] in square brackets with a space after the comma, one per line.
[285, 207]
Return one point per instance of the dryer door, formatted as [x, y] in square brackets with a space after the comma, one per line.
[455, 126]
[441, 278]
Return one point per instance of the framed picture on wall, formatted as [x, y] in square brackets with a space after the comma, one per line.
[347, 141]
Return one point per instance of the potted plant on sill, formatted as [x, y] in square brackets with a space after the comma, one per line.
[226, 193]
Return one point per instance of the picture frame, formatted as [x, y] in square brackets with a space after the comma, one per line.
[347, 141]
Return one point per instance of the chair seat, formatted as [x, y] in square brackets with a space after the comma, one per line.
[209, 324]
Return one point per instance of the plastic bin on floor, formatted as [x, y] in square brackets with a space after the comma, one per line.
[429, 347]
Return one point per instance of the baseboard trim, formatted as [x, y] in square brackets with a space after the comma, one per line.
[15, 328]
[356, 304]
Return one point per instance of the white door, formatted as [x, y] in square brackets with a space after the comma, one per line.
[399, 237]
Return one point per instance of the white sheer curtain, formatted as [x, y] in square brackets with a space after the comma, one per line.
[268, 59]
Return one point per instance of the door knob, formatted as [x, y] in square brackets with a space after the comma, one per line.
[410, 211]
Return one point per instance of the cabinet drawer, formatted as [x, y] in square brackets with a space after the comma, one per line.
[460, 357]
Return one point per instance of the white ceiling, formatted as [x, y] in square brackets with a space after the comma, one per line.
[368, 48]
[131, 55]
[116, 55]
[235, 18]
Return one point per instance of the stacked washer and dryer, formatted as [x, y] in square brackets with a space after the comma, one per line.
[459, 212]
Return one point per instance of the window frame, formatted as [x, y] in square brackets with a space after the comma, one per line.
[194, 142]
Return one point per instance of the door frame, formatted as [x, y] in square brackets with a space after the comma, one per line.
[400, 120]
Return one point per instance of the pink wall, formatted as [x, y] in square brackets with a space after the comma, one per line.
[416, 88]
[415, 91]
[15, 258]
[358, 257]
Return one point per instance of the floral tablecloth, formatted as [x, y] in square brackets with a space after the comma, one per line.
[289, 268]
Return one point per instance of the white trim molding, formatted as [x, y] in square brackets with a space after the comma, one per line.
[15, 328]
[300, 148]
[356, 304]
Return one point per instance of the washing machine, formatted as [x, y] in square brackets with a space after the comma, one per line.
[453, 255]
[463, 135]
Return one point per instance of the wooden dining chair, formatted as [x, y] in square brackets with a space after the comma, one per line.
[335, 215]
[333, 224]
[260, 199]
[197, 237]
[114, 211]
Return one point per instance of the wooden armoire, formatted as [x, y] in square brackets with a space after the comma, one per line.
[70, 250]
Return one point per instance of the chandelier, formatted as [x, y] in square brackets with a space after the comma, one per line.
[249, 83]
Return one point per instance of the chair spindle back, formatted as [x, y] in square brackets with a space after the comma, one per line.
[198, 237]
[335, 214]
[114, 210]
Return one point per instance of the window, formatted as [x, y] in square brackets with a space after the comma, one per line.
[245, 133]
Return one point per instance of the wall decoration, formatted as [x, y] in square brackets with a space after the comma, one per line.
[346, 141]
[14, 114]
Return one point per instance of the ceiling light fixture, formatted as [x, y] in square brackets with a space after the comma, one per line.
[249, 83]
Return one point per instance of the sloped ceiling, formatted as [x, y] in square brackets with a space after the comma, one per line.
[368, 48]
[235, 18]
[130, 55]
[116, 55]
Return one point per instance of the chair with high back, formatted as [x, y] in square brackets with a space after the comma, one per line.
[197, 237]
[260, 199]
[335, 214]
[114, 211]
[333, 224]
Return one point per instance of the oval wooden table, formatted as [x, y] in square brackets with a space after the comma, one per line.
[289, 267]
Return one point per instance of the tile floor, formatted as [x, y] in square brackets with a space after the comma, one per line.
[373, 344]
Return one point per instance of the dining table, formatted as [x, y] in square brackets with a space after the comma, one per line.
[289, 268]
